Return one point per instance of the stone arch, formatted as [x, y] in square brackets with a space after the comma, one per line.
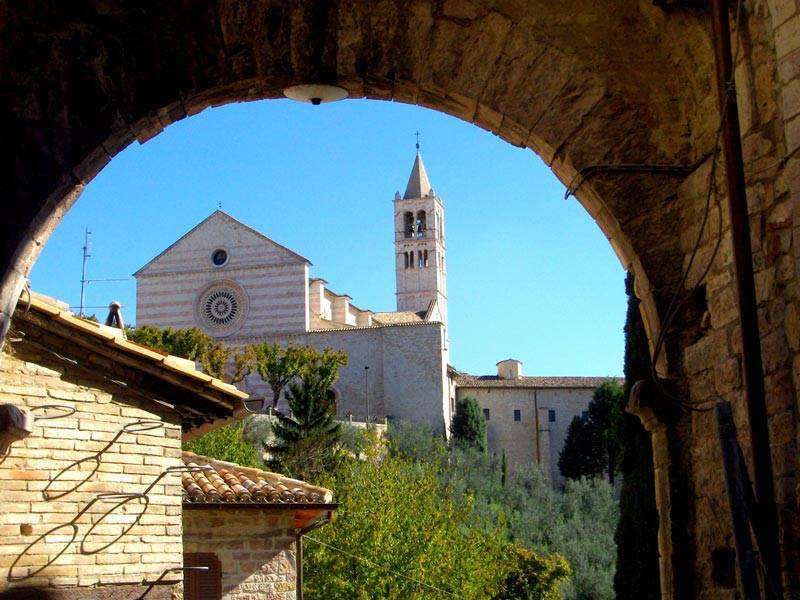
[600, 90]
[515, 71]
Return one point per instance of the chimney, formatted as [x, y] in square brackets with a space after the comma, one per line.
[114, 318]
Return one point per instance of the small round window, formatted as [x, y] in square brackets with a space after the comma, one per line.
[219, 257]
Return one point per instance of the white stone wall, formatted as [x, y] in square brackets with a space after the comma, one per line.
[532, 439]
[417, 286]
[273, 280]
[406, 379]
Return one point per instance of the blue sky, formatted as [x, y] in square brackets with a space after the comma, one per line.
[530, 275]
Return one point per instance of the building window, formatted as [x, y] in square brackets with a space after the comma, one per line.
[408, 224]
[486, 413]
[219, 257]
[422, 224]
[420, 259]
[425, 253]
[517, 414]
[405, 254]
[585, 416]
[551, 415]
[205, 584]
[411, 259]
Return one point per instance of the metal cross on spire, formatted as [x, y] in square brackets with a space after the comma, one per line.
[417, 134]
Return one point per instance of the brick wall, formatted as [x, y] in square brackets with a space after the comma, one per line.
[32, 377]
[256, 549]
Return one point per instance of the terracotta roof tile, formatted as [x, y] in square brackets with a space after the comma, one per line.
[395, 318]
[493, 381]
[230, 483]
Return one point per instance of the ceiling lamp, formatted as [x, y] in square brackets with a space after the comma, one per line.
[315, 93]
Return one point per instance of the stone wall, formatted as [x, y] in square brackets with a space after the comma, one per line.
[534, 438]
[255, 547]
[704, 348]
[272, 280]
[406, 379]
[583, 84]
[44, 461]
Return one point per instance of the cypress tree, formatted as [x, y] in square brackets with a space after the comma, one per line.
[637, 575]
[469, 424]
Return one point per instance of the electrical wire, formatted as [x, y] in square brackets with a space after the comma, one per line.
[381, 567]
[680, 299]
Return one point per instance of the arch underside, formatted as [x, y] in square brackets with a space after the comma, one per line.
[560, 81]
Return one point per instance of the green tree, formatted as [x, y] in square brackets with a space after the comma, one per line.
[278, 365]
[534, 577]
[226, 443]
[580, 456]
[469, 424]
[307, 441]
[637, 574]
[399, 535]
[603, 408]
[578, 522]
[591, 446]
[215, 358]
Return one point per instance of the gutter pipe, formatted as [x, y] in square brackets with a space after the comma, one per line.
[748, 309]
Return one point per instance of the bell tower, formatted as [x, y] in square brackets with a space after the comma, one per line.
[419, 246]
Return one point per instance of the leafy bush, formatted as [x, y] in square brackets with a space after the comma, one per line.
[577, 523]
[400, 533]
[228, 444]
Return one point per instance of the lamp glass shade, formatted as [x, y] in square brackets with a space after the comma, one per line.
[314, 93]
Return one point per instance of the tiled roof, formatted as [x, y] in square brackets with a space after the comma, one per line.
[224, 482]
[201, 398]
[493, 381]
[396, 318]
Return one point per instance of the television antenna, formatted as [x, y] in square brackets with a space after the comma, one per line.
[84, 281]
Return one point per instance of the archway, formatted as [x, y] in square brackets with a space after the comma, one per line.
[624, 120]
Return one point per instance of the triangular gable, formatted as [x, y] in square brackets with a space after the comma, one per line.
[207, 223]
[433, 314]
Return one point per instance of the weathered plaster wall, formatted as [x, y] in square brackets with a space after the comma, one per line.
[31, 377]
[255, 547]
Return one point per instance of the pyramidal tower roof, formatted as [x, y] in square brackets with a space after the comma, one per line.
[418, 184]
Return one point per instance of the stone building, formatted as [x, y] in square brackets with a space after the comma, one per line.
[99, 502]
[246, 526]
[238, 285]
[90, 500]
[527, 417]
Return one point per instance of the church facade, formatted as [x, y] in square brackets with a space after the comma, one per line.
[240, 286]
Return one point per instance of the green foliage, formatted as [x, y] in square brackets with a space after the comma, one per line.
[591, 447]
[534, 577]
[416, 441]
[469, 424]
[580, 456]
[192, 344]
[637, 575]
[308, 442]
[226, 443]
[409, 534]
[577, 522]
[278, 365]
